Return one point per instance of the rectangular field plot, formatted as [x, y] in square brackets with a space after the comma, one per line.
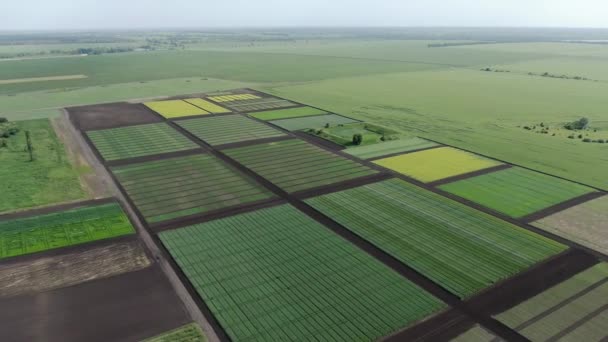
[139, 141]
[66, 228]
[294, 165]
[316, 121]
[259, 104]
[174, 108]
[188, 333]
[477, 334]
[585, 223]
[389, 147]
[288, 113]
[177, 187]
[458, 247]
[278, 275]
[233, 97]
[227, 129]
[516, 192]
[439, 163]
[574, 310]
[208, 106]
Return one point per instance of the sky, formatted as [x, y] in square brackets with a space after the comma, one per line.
[138, 14]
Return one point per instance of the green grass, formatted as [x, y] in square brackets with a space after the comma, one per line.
[258, 104]
[228, 129]
[294, 165]
[574, 310]
[288, 113]
[177, 187]
[516, 192]
[343, 134]
[389, 147]
[317, 121]
[48, 179]
[67, 228]
[276, 275]
[139, 141]
[460, 248]
[188, 333]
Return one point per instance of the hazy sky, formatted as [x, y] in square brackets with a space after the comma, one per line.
[85, 14]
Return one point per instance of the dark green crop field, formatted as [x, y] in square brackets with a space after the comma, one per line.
[458, 247]
[276, 275]
[177, 187]
[294, 165]
[139, 141]
[61, 229]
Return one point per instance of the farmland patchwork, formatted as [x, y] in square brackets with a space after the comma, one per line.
[175, 108]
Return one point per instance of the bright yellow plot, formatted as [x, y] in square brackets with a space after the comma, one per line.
[208, 106]
[435, 164]
[174, 108]
[237, 97]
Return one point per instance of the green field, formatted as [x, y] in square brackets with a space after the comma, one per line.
[228, 129]
[177, 187]
[48, 179]
[61, 229]
[294, 165]
[254, 271]
[460, 248]
[188, 333]
[139, 141]
[288, 113]
[574, 310]
[516, 192]
[258, 104]
[389, 147]
[317, 121]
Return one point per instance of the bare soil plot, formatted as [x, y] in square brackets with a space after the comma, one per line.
[177, 187]
[438, 163]
[294, 165]
[516, 192]
[574, 310]
[585, 223]
[459, 248]
[138, 141]
[317, 121]
[128, 307]
[276, 275]
[110, 115]
[85, 264]
[227, 129]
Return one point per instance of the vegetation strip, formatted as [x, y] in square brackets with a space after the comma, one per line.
[207, 106]
[469, 175]
[174, 108]
[562, 206]
[260, 243]
[392, 148]
[288, 113]
[314, 121]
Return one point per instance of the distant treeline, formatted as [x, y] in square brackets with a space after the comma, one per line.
[437, 45]
[79, 51]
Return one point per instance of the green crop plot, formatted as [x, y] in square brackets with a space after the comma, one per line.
[288, 113]
[188, 333]
[175, 108]
[458, 247]
[139, 141]
[72, 227]
[389, 147]
[259, 104]
[177, 187]
[516, 192]
[574, 310]
[277, 275]
[228, 129]
[294, 165]
[317, 121]
[207, 106]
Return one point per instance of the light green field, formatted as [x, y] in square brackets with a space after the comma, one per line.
[389, 147]
[287, 113]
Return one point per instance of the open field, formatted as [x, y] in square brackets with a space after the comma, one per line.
[138, 141]
[232, 98]
[344, 134]
[188, 333]
[584, 223]
[254, 271]
[460, 248]
[207, 106]
[574, 310]
[228, 129]
[48, 179]
[317, 121]
[50, 231]
[389, 147]
[42, 79]
[516, 192]
[259, 104]
[294, 165]
[288, 113]
[174, 108]
[111, 115]
[177, 187]
[438, 163]
[476, 334]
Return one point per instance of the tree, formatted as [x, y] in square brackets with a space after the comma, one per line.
[29, 146]
[3, 120]
[357, 139]
[582, 123]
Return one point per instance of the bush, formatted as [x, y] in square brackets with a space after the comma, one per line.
[586, 140]
[3, 120]
[601, 141]
[3, 143]
[357, 139]
[580, 136]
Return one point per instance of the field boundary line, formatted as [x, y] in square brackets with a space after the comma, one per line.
[441, 327]
[56, 208]
[396, 154]
[252, 142]
[154, 157]
[554, 209]
[470, 175]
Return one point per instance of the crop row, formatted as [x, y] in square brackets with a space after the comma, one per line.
[277, 274]
[390, 147]
[317, 121]
[232, 98]
[228, 129]
[207, 106]
[288, 113]
[260, 104]
[458, 247]
[174, 108]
